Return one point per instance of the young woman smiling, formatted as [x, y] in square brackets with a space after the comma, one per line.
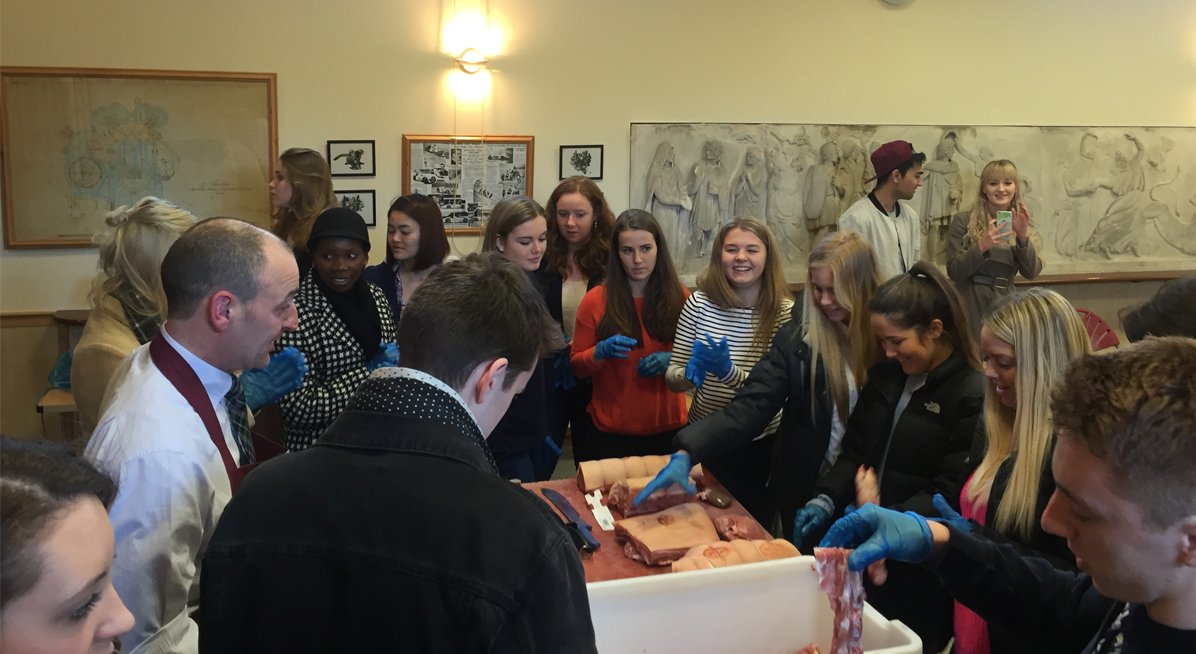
[913, 424]
[56, 547]
[984, 257]
[345, 327]
[1027, 343]
[518, 231]
[623, 339]
[813, 371]
[724, 329]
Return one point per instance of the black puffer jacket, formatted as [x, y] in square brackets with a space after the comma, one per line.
[930, 445]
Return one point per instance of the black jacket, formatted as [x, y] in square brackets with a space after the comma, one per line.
[393, 533]
[780, 379]
[1060, 610]
[930, 445]
[383, 276]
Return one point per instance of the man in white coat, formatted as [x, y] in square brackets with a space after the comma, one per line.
[173, 430]
[884, 218]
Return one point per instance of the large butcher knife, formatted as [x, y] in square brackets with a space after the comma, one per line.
[579, 527]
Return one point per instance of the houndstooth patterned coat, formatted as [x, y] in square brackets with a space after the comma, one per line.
[335, 363]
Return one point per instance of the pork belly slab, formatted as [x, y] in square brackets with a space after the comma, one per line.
[663, 537]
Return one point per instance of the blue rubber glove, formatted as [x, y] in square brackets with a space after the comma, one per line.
[878, 533]
[807, 519]
[654, 364]
[717, 357]
[284, 373]
[694, 372]
[949, 516]
[387, 357]
[676, 472]
[563, 377]
[614, 347]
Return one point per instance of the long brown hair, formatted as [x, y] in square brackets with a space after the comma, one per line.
[663, 297]
[591, 258]
[773, 291]
[311, 194]
[915, 299]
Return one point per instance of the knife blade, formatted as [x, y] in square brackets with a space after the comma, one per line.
[572, 517]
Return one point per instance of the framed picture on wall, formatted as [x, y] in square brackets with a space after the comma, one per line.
[467, 175]
[360, 201]
[76, 143]
[584, 160]
[351, 158]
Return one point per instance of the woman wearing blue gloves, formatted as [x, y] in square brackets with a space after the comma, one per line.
[913, 424]
[345, 327]
[814, 370]
[1125, 502]
[724, 329]
[622, 341]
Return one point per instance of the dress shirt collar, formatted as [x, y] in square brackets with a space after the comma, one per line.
[215, 381]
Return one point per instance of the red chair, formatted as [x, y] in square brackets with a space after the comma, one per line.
[1099, 331]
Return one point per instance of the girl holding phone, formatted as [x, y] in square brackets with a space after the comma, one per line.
[623, 341]
[989, 246]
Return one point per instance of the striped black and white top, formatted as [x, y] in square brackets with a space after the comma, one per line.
[699, 317]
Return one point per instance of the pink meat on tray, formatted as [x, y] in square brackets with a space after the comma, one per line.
[623, 492]
[739, 527]
[845, 590]
[663, 537]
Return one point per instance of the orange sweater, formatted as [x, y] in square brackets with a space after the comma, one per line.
[623, 402]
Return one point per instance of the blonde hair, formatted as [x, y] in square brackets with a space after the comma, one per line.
[979, 218]
[1047, 335]
[773, 290]
[852, 265]
[131, 255]
[311, 193]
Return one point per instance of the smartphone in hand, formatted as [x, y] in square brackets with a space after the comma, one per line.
[1004, 222]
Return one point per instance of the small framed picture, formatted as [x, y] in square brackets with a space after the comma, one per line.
[351, 158]
[585, 160]
[360, 201]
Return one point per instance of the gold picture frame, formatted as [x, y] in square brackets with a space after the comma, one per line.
[467, 175]
[76, 143]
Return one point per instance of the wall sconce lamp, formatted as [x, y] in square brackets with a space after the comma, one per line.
[471, 61]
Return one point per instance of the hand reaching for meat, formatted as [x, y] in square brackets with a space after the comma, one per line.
[867, 491]
[676, 472]
[878, 533]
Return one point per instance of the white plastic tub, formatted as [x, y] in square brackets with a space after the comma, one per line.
[773, 607]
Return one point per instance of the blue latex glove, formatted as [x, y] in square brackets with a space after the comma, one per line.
[614, 347]
[717, 357]
[949, 516]
[693, 369]
[878, 533]
[808, 518]
[676, 472]
[387, 357]
[563, 377]
[284, 373]
[654, 364]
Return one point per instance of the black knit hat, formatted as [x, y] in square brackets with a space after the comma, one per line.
[339, 222]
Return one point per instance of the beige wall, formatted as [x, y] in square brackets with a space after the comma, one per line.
[576, 71]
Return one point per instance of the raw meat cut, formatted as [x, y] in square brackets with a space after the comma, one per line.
[603, 473]
[845, 590]
[812, 648]
[622, 495]
[722, 554]
[663, 537]
[735, 527]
